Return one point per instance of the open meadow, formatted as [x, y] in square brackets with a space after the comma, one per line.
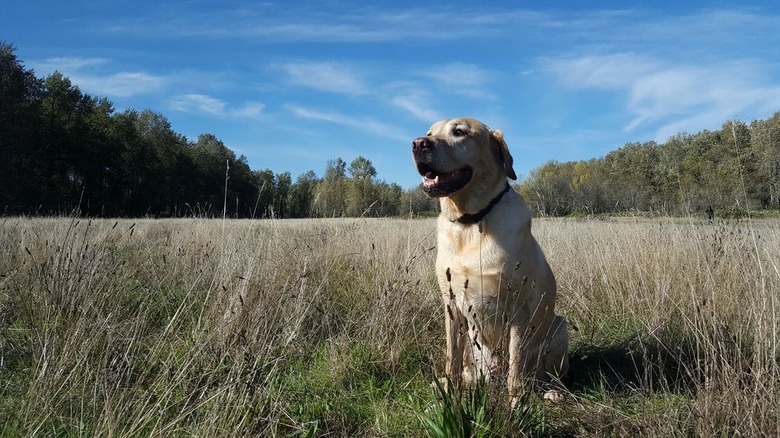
[333, 327]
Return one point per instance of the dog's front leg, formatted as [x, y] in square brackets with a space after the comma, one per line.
[453, 326]
[515, 361]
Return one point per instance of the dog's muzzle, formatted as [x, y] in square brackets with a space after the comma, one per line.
[437, 183]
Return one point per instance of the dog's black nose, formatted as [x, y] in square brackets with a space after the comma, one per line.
[421, 144]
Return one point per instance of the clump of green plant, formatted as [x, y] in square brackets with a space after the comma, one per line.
[481, 411]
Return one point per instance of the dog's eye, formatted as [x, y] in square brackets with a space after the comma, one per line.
[458, 132]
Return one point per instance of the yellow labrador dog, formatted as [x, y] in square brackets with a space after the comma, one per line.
[498, 290]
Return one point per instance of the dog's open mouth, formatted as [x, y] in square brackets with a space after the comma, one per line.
[437, 183]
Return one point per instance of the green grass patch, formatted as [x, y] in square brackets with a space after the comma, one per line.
[351, 387]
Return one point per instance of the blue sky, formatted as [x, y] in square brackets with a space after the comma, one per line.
[293, 84]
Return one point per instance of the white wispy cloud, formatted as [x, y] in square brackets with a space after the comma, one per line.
[713, 27]
[122, 84]
[208, 105]
[365, 24]
[250, 110]
[610, 72]
[418, 105]
[460, 78]
[673, 97]
[197, 103]
[411, 95]
[325, 76]
[66, 63]
[361, 123]
[459, 74]
[87, 74]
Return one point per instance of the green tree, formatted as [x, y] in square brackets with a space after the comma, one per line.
[211, 160]
[668, 175]
[388, 199]
[243, 186]
[548, 188]
[301, 196]
[631, 173]
[20, 96]
[588, 186]
[98, 160]
[266, 193]
[765, 145]
[63, 136]
[361, 192]
[152, 155]
[336, 169]
[415, 202]
[361, 169]
[330, 193]
[283, 185]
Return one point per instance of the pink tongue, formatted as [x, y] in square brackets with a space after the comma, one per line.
[430, 178]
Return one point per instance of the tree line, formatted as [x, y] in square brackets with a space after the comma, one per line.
[64, 150]
[734, 168]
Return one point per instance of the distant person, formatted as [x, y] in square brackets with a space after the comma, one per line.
[710, 214]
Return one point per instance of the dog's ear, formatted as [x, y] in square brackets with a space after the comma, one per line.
[497, 138]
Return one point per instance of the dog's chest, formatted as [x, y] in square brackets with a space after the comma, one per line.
[470, 266]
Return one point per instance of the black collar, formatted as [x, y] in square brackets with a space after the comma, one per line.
[469, 219]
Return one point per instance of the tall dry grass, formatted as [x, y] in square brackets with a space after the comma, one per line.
[677, 314]
[165, 327]
[333, 327]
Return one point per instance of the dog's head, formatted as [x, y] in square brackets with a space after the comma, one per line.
[461, 156]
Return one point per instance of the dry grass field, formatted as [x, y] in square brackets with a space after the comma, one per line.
[202, 327]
